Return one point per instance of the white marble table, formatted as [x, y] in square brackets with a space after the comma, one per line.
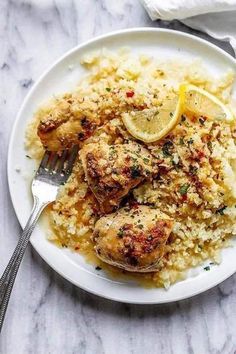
[46, 313]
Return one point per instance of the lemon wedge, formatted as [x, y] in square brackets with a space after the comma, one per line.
[150, 125]
[201, 102]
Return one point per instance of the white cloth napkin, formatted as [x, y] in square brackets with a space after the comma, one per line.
[215, 17]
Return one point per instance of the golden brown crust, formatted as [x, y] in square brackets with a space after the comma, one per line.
[133, 239]
[72, 119]
[60, 134]
[113, 170]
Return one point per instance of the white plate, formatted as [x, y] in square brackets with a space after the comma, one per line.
[157, 42]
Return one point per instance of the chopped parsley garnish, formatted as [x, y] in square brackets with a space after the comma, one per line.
[108, 89]
[184, 189]
[207, 268]
[112, 151]
[174, 163]
[84, 122]
[135, 171]
[166, 148]
[181, 141]
[190, 141]
[177, 165]
[193, 170]
[221, 210]
[120, 233]
[146, 160]
[140, 226]
[171, 114]
[183, 118]
[209, 144]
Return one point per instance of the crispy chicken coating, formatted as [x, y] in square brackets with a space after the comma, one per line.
[113, 170]
[132, 239]
[65, 127]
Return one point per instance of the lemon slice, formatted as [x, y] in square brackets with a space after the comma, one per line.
[154, 123]
[201, 102]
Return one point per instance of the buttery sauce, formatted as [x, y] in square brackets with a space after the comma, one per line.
[85, 247]
[87, 250]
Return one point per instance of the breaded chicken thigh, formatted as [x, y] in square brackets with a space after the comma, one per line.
[113, 170]
[132, 239]
[63, 127]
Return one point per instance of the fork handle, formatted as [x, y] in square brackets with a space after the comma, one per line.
[8, 278]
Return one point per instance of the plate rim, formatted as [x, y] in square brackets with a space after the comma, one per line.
[13, 132]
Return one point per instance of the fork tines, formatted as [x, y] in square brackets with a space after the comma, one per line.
[58, 164]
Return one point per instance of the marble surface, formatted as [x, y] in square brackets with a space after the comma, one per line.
[47, 314]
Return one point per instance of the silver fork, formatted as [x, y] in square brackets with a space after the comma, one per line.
[53, 172]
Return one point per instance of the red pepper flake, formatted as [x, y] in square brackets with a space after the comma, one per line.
[133, 204]
[201, 154]
[129, 93]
